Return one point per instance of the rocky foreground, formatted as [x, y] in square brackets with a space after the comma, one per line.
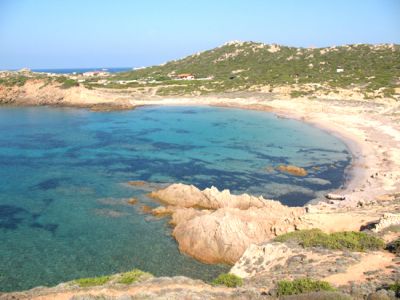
[216, 226]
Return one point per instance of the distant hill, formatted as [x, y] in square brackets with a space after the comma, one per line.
[240, 65]
[368, 70]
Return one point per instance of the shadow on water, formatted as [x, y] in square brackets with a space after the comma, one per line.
[12, 216]
[49, 184]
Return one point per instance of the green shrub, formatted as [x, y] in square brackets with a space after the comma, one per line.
[92, 281]
[133, 276]
[17, 80]
[301, 286]
[68, 83]
[347, 240]
[229, 280]
[297, 94]
[395, 287]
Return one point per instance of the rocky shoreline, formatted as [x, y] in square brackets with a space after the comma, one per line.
[215, 226]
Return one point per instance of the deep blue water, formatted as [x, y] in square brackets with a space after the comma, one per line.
[81, 70]
[63, 210]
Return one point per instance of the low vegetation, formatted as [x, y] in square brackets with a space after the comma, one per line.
[92, 281]
[133, 276]
[348, 240]
[369, 70]
[67, 83]
[18, 80]
[229, 280]
[301, 286]
[122, 278]
[242, 65]
[395, 288]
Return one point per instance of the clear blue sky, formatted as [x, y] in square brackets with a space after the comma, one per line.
[112, 33]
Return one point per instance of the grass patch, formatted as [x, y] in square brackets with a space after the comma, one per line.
[301, 286]
[92, 281]
[229, 280]
[395, 287]
[347, 240]
[297, 94]
[133, 276]
[16, 80]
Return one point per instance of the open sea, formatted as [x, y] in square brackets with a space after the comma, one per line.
[82, 70]
[63, 192]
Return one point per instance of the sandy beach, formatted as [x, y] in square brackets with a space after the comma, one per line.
[371, 130]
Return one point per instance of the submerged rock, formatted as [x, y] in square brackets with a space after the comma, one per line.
[161, 211]
[132, 201]
[293, 170]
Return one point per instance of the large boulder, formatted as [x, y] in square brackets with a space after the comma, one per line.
[223, 236]
[216, 227]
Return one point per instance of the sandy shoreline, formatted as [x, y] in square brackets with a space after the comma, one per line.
[372, 137]
[370, 129]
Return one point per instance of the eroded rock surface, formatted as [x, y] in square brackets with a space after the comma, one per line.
[183, 195]
[264, 264]
[387, 220]
[215, 226]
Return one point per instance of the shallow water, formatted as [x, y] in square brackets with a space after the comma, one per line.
[63, 211]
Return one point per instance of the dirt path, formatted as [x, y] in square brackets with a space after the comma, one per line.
[375, 261]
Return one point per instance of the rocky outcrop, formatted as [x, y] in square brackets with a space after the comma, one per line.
[216, 227]
[293, 170]
[272, 259]
[264, 264]
[183, 195]
[331, 196]
[386, 221]
[37, 91]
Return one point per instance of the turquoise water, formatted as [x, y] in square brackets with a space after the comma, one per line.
[63, 211]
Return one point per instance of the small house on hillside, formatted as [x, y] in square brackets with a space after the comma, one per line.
[186, 76]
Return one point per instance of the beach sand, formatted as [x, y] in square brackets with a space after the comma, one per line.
[371, 130]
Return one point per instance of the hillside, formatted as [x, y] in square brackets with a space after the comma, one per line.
[246, 65]
[346, 72]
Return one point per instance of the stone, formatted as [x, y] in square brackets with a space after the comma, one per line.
[388, 219]
[132, 201]
[293, 170]
[331, 196]
[161, 211]
[216, 227]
